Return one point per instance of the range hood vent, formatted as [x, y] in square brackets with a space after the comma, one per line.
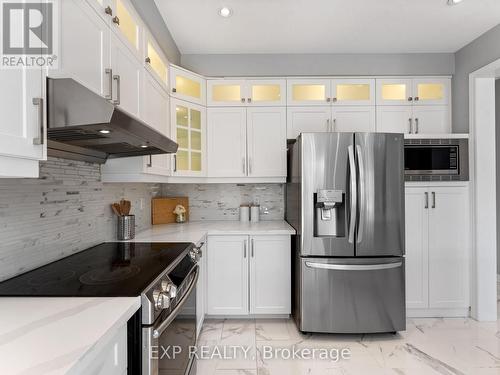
[82, 125]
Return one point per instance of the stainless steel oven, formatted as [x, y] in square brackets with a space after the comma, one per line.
[445, 159]
[167, 342]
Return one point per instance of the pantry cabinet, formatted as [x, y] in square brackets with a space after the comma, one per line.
[437, 250]
[248, 275]
[259, 92]
[247, 142]
[186, 85]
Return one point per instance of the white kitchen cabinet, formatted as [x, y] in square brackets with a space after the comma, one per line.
[227, 275]
[417, 247]
[394, 119]
[257, 92]
[189, 131]
[310, 91]
[85, 47]
[249, 275]
[127, 75]
[353, 119]
[187, 85]
[112, 359]
[127, 26]
[431, 119]
[266, 146]
[414, 91]
[449, 247]
[437, 250]
[307, 120]
[155, 61]
[227, 142]
[394, 91]
[201, 289]
[353, 91]
[270, 275]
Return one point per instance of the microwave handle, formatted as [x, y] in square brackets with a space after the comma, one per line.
[157, 332]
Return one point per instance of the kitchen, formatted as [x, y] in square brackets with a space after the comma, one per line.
[143, 110]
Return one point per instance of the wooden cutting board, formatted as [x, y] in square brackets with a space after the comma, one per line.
[162, 209]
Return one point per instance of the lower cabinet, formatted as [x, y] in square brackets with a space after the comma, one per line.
[200, 289]
[437, 250]
[248, 275]
[112, 360]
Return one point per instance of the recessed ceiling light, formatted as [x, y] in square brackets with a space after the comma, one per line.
[104, 131]
[225, 12]
[144, 146]
[454, 2]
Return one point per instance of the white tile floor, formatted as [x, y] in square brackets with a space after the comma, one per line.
[428, 346]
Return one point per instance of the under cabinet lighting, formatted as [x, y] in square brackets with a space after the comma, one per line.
[104, 131]
[144, 146]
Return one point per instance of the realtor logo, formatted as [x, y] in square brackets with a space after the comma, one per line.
[28, 34]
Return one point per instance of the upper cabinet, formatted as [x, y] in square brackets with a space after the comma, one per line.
[344, 91]
[416, 91]
[155, 61]
[127, 24]
[186, 85]
[259, 92]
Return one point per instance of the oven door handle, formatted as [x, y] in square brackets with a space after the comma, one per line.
[157, 332]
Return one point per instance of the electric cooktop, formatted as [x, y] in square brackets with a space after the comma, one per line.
[114, 269]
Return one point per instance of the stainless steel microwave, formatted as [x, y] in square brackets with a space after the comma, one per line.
[444, 159]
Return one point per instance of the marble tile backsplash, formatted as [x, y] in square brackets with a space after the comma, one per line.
[222, 201]
[65, 211]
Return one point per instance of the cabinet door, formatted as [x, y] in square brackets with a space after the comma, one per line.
[308, 92]
[353, 92]
[353, 119]
[201, 290]
[127, 26]
[266, 129]
[417, 255]
[187, 86]
[127, 74]
[156, 114]
[188, 130]
[223, 92]
[449, 247]
[85, 47]
[394, 119]
[307, 119]
[22, 131]
[431, 119]
[270, 275]
[227, 142]
[227, 275]
[263, 92]
[156, 63]
[427, 91]
[394, 91]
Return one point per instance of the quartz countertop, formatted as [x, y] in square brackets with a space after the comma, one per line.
[195, 231]
[41, 335]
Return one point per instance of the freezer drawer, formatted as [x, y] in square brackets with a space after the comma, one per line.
[352, 295]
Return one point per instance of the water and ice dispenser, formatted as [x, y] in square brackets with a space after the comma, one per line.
[329, 215]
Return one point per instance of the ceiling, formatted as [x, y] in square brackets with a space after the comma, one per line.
[327, 26]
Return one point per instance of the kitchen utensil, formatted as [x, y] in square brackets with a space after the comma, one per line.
[126, 227]
[116, 209]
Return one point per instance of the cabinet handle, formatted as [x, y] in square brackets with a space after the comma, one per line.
[118, 89]
[252, 247]
[41, 139]
[150, 164]
[243, 100]
[416, 125]
[334, 100]
[148, 60]
[116, 20]
[410, 99]
[433, 199]
[108, 10]
[109, 72]
[417, 98]
[334, 125]
[426, 200]
[410, 121]
[328, 100]
[245, 249]
[249, 100]
[174, 89]
[328, 125]
[175, 163]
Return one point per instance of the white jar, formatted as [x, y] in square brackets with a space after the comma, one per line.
[255, 214]
[244, 213]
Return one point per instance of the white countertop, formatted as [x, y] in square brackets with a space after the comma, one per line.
[58, 335]
[195, 231]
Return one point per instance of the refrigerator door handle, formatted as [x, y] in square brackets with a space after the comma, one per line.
[362, 193]
[354, 267]
[353, 193]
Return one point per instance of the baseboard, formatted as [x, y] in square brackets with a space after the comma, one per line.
[437, 313]
[243, 317]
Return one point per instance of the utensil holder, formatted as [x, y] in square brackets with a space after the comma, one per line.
[126, 227]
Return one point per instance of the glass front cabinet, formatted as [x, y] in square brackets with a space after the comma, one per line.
[187, 86]
[189, 131]
[259, 92]
[416, 91]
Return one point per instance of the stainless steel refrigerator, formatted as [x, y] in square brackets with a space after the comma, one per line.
[345, 198]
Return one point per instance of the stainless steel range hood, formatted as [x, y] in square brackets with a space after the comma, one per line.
[82, 125]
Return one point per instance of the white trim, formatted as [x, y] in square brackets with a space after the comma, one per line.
[437, 313]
